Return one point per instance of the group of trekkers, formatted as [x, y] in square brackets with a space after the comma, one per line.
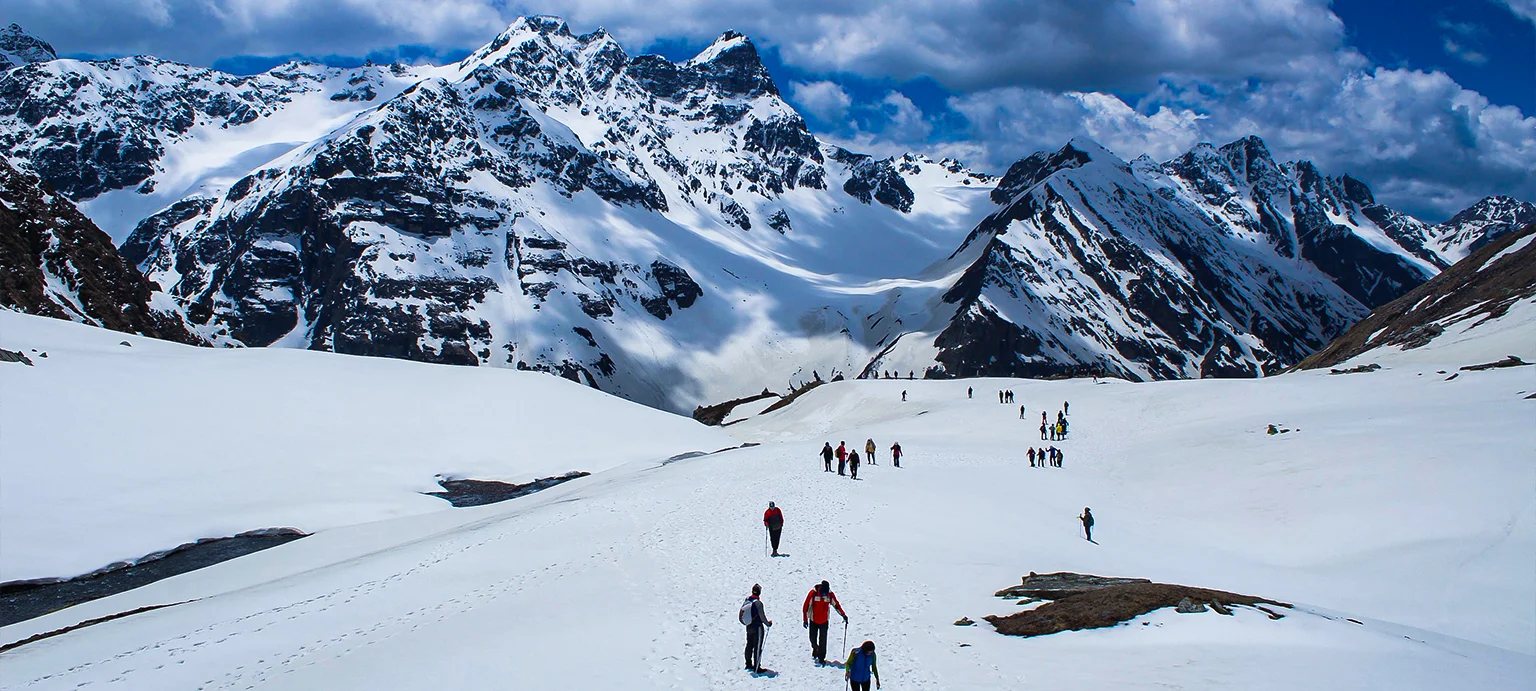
[1052, 431]
[1046, 456]
[815, 616]
[848, 460]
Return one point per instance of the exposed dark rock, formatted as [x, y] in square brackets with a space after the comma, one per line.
[16, 356]
[464, 493]
[1372, 367]
[1510, 361]
[23, 600]
[1090, 602]
[715, 414]
[43, 235]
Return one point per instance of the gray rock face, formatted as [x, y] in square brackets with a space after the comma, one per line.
[17, 47]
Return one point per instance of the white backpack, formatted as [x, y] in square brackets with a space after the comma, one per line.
[746, 612]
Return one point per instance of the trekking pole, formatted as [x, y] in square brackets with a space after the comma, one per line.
[845, 634]
[765, 542]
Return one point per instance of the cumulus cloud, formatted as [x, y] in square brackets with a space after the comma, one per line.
[823, 99]
[203, 31]
[1426, 144]
[1525, 9]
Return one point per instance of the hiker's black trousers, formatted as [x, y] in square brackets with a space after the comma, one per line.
[755, 647]
[819, 641]
[773, 536]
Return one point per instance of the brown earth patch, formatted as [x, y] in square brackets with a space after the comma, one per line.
[1094, 602]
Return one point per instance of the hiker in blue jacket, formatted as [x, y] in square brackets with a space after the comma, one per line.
[861, 667]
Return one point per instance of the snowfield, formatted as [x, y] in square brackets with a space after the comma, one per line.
[1399, 499]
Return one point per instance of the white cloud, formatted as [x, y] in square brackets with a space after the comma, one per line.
[1525, 9]
[825, 100]
[1425, 144]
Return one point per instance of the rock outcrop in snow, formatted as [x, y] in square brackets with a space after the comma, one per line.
[17, 47]
[58, 264]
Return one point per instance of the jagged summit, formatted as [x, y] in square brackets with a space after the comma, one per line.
[17, 47]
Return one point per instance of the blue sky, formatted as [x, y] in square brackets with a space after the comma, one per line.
[1432, 103]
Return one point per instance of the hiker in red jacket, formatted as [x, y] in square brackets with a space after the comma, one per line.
[815, 615]
[842, 457]
[773, 519]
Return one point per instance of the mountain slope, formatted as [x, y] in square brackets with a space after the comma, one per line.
[673, 233]
[1219, 263]
[554, 204]
[59, 264]
[1492, 289]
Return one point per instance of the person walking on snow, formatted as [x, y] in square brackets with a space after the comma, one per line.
[1021, 412]
[1065, 407]
[1031, 456]
[861, 667]
[773, 520]
[869, 451]
[826, 456]
[999, 395]
[896, 454]
[1087, 519]
[757, 622]
[853, 464]
[903, 396]
[1042, 429]
[816, 613]
[842, 456]
[969, 392]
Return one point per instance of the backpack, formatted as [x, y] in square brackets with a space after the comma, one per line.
[746, 612]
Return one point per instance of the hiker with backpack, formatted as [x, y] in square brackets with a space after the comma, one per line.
[853, 464]
[842, 457]
[861, 667]
[896, 454]
[869, 451]
[757, 622]
[816, 614]
[1042, 428]
[773, 519]
[826, 456]
[1087, 519]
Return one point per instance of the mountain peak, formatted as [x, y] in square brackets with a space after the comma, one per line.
[733, 63]
[17, 48]
[542, 24]
[1035, 168]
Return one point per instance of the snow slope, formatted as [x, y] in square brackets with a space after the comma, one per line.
[114, 452]
[1399, 500]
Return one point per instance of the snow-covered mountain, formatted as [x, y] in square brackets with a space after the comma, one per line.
[1487, 299]
[673, 232]
[17, 47]
[1221, 262]
[58, 264]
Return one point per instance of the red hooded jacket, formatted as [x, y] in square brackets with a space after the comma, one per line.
[815, 609]
[773, 517]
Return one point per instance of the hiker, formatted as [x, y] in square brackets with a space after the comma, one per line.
[853, 464]
[1042, 429]
[1021, 412]
[1060, 457]
[896, 454]
[826, 456]
[861, 667]
[999, 395]
[842, 457]
[1042, 418]
[1087, 519]
[969, 391]
[1041, 453]
[1031, 456]
[1065, 407]
[756, 621]
[773, 519]
[903, 396]
[815, 615]
[869, 451]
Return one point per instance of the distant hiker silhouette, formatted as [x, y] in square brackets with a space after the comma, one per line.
[1087, 519]
[773, 520]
